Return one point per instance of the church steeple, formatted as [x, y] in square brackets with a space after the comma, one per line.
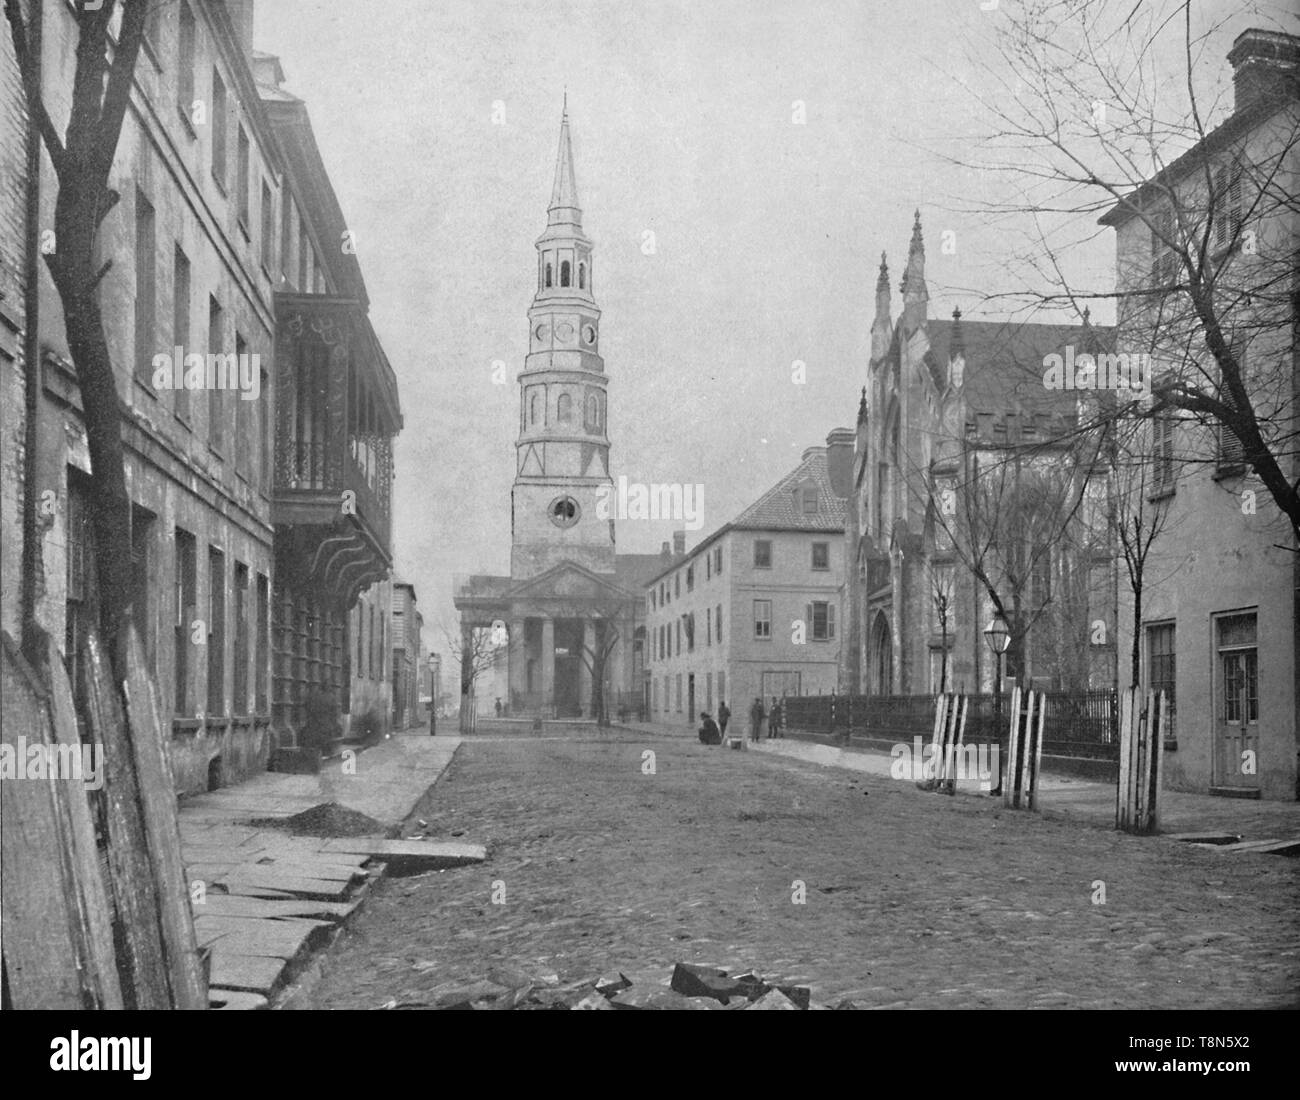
[562, 476]
[880, 325]
[915, 294]
[564, 209]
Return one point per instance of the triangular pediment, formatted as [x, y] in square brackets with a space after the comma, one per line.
[570, 581]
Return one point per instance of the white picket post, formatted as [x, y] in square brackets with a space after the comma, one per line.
[1013, 758]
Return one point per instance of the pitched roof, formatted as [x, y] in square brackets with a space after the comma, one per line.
[1004, 361]
[780, 507]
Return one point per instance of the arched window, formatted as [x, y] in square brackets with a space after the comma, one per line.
[564, 273]
[563, 408]
[593, 411]
[582, 276]
[532, 409]
[548, 274]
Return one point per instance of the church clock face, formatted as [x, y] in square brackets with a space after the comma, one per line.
[564, 331]
[564, 511]
[589, 334]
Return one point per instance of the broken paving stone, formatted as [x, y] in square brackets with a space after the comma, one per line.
[656, 997]
[774, 1001]
[462, 996]
[609, 984]
[593, 1002]
[707, 981]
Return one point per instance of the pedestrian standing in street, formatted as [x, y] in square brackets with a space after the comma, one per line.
[774, 719]
[724, 716]
[756, 716]
[498, 708]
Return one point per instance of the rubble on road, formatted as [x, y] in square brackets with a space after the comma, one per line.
[687, 987]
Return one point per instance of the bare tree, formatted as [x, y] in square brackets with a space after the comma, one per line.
[604, 622]
[1111, 115]
[942, 600]
[82, 159]
[481, 649]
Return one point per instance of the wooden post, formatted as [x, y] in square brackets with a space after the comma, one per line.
[1012, 770]
[1158, 748]
[936, 744]
[1122, 795]
[1024, 795]
[1038, 750]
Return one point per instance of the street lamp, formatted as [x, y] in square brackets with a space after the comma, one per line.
[998, 635]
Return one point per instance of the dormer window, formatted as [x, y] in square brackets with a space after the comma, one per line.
[808, 500]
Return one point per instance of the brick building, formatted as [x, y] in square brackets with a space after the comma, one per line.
[755, 608]
[408, 658]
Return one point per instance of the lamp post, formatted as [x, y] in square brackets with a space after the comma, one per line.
[998, 636]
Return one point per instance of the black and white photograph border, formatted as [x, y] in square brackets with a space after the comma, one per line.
[651, 505]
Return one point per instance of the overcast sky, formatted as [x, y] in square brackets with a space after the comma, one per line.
[767, 233]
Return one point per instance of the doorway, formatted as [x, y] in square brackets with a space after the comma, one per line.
[1236, 755]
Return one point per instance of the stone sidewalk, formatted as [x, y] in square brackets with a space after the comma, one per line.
[263, 898]
[1084, 800]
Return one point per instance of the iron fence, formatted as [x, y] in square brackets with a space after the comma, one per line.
[1082, 723]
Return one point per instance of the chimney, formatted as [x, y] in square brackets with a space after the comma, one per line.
[839, 461]
[1265, 64]
[679, 543]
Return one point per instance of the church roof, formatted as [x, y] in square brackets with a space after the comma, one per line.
[1004, 361]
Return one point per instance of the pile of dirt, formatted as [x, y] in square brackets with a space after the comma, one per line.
[329, 819]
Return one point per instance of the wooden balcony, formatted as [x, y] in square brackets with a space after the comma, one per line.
[336, 415]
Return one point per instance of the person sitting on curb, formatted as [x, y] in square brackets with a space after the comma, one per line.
[709, 732]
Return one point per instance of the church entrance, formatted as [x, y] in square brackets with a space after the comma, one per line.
[568, 669]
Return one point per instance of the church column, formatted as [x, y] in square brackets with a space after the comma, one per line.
[517, 660]
[589, 654]
[548, 667]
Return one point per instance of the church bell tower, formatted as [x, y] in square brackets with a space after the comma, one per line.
[562, 500]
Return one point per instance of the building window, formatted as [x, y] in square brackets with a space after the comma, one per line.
[268, 229]
[564, 408]
[1161, 668]
[241, 184]
[582, 276]
[677, 584]
[762, 553]
[564, 273]
[1164, 260]
[690, 632]
[1231, 454]
[180, 330]
[708, 626]
[690, 578]
[286, 237]
[260, 677]
[186, 584]
[1227, 204]
[679, 637]
[808, 497]
[679, 693]
[1239, 664]
[216, 632]
[882, 486]
[145, 288]
[821, 555]
[243, 444]
[821, 615]
[220, 126]
[717, 560]
[1162, 435]
[185, 62]
[266, 443]
[762, 618]
[717, 623]
[216, 394]
[304, 257]
[239, 702]
[548, 274]
[708, 567]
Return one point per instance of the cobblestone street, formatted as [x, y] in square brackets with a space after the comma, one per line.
[912, 899]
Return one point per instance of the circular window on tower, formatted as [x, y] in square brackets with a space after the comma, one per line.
[589, 334]
[564, 511]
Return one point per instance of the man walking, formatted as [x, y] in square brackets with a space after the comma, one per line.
[774, 719]
[756, 716]
[724, 716]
